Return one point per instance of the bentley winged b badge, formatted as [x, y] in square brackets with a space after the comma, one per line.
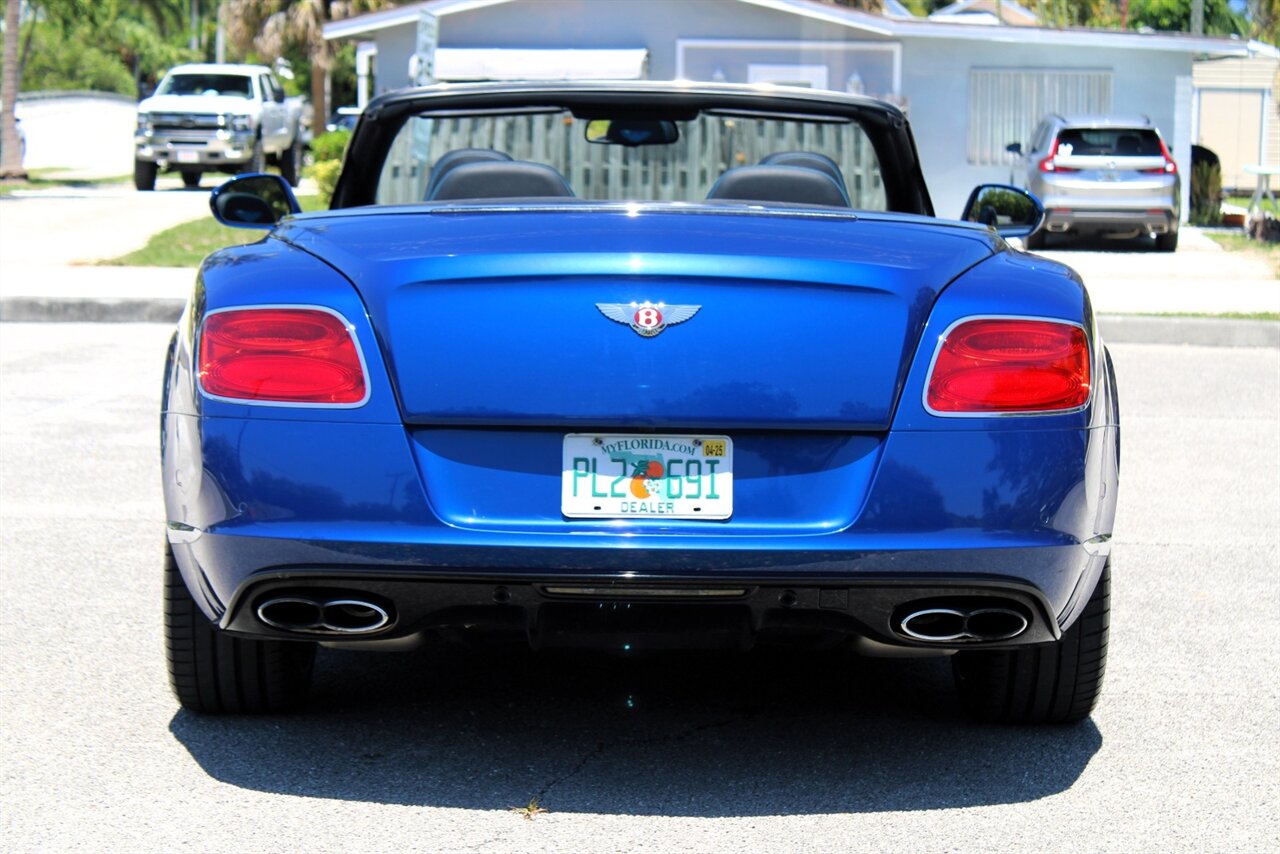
[647, 318]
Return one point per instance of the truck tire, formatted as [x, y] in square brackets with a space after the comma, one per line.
[1049, 683]
[1167, 242]
[191, 180]
[1034, 241]
[258, 160]
[144, 175]
[213, 673]
[291, 162]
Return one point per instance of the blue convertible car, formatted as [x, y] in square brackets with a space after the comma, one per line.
[637, 366]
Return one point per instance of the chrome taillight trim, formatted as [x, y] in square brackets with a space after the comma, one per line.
[287, 404]
[1022, 413]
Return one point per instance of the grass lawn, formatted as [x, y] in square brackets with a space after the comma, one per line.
[187, 244]
[1269, 252]
[44, 179]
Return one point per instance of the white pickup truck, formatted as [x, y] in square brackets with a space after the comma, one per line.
[217, 118]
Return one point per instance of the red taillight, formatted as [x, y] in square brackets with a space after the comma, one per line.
[1010, 365]
[1169, 167]
[286, 355]
[1047, 164]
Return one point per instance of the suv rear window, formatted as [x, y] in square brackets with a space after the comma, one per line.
[1109, 142]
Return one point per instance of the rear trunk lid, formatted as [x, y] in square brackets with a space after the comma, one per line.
[510, 318]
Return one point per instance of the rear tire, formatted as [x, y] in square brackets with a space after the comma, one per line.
[1050, 683]
[215, 673]
[144, 175]
[1167, 242]
[258, 160]
[291, 162]
[191, 180]
[1033, 241]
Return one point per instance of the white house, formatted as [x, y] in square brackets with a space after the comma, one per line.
[968, 90]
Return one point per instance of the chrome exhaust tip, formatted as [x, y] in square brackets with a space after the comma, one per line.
[344, 616]
[353, 616]
[292, 614]
[946, 625]
[934, 624]
[993, 624]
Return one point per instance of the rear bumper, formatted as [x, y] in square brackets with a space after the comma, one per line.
[559, 595]
[1060, 220]
[650, 613]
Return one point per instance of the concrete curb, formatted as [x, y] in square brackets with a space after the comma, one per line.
[96, 310]
[1116, 328]
[1197, 331]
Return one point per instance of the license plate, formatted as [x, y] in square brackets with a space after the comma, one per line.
[646, 477]
[188, 156]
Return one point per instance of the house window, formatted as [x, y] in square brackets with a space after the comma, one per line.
[1005, 105]
[811, 76]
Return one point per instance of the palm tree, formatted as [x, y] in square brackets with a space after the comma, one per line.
[10, 147]
[268, 26]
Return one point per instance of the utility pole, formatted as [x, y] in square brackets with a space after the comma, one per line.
[194, 6]
[220, 37]
[1197, 17]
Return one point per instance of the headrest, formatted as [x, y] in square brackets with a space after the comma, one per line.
[788, 184]
[806, 159]
[459, 156]
[516, 179]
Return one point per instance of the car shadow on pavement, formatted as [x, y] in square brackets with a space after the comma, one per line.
[1096, 243]
[766, 733]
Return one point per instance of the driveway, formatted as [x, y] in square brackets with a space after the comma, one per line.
[772, 751]
[49, 240]
[1128, 277]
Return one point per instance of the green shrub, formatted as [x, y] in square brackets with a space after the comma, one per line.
[330, 146]
[1206, 194]
[325, 173]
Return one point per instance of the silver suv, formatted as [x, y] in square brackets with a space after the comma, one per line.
[1102, 175]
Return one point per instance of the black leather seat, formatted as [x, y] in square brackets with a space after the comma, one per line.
[517, 179]
[807, 160]
[797, 185]
[458, 157]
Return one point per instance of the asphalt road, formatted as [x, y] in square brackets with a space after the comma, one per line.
[428, 751]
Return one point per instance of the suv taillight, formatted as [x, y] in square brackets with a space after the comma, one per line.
[282, 355]
[1047, 164]
[1010, 365]
[1169, 167]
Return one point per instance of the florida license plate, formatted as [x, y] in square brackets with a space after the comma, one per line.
[188, 156]
[647, 476]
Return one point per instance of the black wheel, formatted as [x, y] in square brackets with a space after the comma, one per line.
[144, 175]
[214, 673]
[1051, 683]
[1167, 242]
[257, 162]
[191, 180]
[1034, 240]
[291, 162]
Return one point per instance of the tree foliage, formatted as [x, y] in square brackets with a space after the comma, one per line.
[1175, 16]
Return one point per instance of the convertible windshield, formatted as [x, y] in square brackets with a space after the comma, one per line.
[234, 85]
[552, 153]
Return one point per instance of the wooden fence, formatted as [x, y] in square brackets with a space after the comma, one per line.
[683, 171]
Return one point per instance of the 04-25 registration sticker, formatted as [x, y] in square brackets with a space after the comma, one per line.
[647, 476]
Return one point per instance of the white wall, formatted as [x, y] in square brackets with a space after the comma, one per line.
[91, 135]
[935, 77]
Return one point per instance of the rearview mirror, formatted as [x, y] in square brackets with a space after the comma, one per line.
[1014, 148]
[253, 201]
[631, 132]
[1007, 210]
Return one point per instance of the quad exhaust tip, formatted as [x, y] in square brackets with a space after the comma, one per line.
[948, 625]
[344, 616]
